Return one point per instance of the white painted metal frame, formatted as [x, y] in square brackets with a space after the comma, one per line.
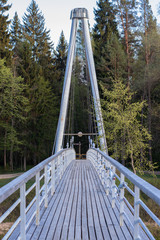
[48, 172]
[109, 166]
[76, 14]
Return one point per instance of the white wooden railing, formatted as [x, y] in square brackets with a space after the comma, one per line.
[107, 169]
[46, 176]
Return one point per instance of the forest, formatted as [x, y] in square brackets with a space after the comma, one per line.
[126, 46]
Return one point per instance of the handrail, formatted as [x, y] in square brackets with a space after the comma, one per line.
[52, 170]
[106, 168]
[146, 187]
[15, 184]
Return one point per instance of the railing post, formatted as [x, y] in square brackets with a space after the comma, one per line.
[37, 198]
[113, 187]
[136, 213]
[60, 166]
[63, 169]
[52, 177]
[122, 200]
[102, 174]
[107, 177]
[98, 164]
[23, 212]
[45, 183]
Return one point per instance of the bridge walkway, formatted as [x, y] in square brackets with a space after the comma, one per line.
[79, 209]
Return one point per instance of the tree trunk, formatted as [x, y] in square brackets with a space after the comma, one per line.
[11, 150]
[149, 119]
[5, 150]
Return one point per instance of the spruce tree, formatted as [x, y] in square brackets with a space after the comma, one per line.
[4, 31]
[60, 63]
[15, 32]
[105, 35]
[35, 31]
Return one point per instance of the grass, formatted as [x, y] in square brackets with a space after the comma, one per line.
[5, 181]
[17, 170]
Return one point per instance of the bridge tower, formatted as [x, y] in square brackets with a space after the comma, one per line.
[76, 14]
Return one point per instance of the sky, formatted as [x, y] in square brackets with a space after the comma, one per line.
[57, 13]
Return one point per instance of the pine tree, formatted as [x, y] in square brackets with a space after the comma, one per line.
[146, 67]
[4, 31]
[128, 22]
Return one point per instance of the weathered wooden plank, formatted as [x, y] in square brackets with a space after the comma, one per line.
[89, 206]
[84, 206]
[69, 209]
[45, 221]
[118, 233]
[71, 232]
[49, 228]
[78, 227]
[61, 219]
[102, 196]
[97, 193]
[96, 216]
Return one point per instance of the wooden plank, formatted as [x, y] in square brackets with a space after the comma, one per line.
[114, 220]
[93, 191]
[60, 222]
[45, 221]
[69, 209]
[107, 216]
[78, 227]
[49, 227]
[89, 207]
[84, 206]
[97, 193]
[71, 232]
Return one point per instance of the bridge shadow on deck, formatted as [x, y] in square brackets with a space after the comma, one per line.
[79, 209]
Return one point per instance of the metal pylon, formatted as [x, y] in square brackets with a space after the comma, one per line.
[76, 14]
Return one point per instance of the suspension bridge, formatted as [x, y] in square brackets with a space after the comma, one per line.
[79, 199]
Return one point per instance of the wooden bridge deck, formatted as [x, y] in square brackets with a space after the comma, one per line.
[79, 209]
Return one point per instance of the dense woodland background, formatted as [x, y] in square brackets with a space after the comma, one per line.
[126, 45]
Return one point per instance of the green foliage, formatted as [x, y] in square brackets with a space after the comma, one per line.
[35, 32]
[4, 33]
[60, 63]
[127, 138]
[13, 107]
[105, 35]
[16, 33]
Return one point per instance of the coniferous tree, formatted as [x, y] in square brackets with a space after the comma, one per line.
[60, 63]
[128, 22]
[35, 31]
[4, 31]
[16, 30]
[146, 67]
[106, 39]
